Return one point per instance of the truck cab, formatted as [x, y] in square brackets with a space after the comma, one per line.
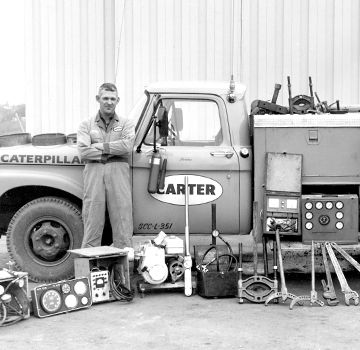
[207, 138]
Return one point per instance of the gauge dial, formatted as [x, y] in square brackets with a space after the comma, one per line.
[339, 225]
[329, 205]
[51, 301]
[339, 215]
[309, 225]
[318, 205]
[84, 300]
[65, 288]
[308, 205]
[80, 288]
[71, 301]
[308, 215]
[339, 205]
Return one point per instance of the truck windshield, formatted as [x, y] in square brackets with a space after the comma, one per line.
[138, 109]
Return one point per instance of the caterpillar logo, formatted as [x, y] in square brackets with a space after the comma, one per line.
[201, 190]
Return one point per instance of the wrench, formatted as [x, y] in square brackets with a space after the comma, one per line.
[348, 292]
[328, 286]
[313, 294]
[283, 294]
[346, 255]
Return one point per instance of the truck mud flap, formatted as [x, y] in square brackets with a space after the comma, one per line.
[15, 139]
[49, 139]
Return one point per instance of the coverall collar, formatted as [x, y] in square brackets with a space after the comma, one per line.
[100, 121]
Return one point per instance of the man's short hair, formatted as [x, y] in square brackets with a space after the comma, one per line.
[108, 87]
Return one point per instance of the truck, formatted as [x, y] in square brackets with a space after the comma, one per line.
[302, 171]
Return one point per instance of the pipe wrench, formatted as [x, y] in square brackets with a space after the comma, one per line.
[348, 292]
[328, 286]
[346, 255]
[313, 294]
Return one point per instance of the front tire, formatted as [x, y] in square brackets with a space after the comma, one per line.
[39, 237]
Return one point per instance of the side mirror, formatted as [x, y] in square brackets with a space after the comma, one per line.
[162, 123]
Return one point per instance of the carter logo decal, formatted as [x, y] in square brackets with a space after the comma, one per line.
[117, 128]
[201, 190]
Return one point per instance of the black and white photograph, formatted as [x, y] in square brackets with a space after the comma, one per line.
[179, 174]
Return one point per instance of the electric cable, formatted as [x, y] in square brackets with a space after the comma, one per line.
[118, 289]
[15, 309]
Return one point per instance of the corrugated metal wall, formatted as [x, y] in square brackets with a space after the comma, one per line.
[185, 40]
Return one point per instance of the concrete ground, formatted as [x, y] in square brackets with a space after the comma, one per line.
[169, 320]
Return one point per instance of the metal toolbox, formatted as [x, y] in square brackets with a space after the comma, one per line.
[330, 218]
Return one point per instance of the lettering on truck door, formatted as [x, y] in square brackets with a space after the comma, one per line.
[198, 145]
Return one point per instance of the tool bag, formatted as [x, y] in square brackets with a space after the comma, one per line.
[217, 274]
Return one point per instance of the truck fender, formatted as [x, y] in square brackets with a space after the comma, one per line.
[12, 178]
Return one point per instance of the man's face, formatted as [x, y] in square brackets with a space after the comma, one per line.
[108, 101]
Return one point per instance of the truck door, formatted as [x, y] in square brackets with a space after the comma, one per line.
[198, 145]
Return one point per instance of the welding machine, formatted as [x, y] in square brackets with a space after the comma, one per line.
[330, 218]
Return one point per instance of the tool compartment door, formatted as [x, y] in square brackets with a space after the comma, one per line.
[198, 145]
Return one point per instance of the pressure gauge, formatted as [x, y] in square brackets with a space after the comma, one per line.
[308, 225]
[71, 301]
[51, 301]
[329, 205]
[319, 205]
[339, 225]
[84, 300]
[339, 205]
[65, 288]
[308, 215]
[308, 205]
[80, 288]
[339, 215]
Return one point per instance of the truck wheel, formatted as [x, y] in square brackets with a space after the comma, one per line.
[39, 235]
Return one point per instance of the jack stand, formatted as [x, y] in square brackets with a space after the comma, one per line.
[313, 294]
[255, 288]
[283, 295]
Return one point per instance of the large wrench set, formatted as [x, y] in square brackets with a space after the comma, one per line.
[328, 249]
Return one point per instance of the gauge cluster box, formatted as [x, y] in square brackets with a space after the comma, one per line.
[330, 218]
[60, 297]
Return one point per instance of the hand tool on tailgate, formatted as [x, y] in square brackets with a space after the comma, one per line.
[283, 294]
[256, 288]
[187, 257]
[313, 294]
[348, 292]
[328, 286]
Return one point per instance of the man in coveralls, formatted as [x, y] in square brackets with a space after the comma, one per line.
[104, 143]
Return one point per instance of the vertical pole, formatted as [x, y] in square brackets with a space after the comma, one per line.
[109, 41]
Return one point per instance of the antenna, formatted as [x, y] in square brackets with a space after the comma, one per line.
[231, 95]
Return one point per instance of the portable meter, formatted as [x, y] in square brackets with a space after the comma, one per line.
[64, 296]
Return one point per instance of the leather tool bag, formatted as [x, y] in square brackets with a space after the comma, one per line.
[217, 274]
